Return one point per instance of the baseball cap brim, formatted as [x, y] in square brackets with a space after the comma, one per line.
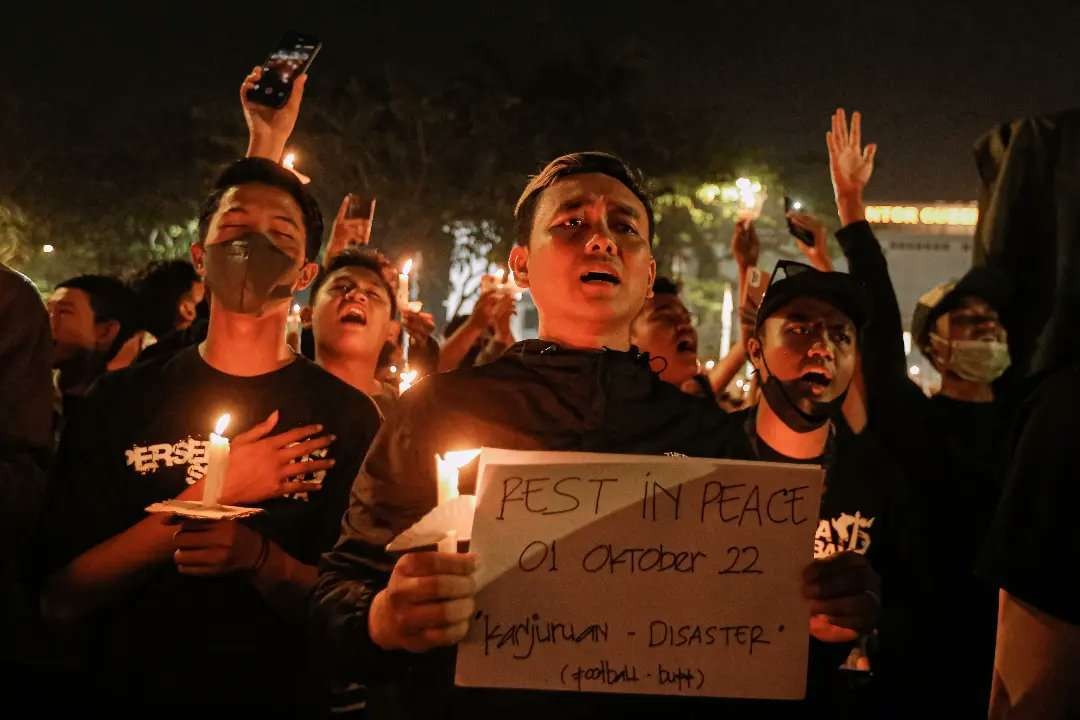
[838, 289]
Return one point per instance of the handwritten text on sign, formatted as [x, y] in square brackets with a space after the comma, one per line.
[641, 574]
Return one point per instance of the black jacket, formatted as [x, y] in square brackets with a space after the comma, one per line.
[951, 454]
[536, 396]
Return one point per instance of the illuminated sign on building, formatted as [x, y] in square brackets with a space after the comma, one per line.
[957, 215]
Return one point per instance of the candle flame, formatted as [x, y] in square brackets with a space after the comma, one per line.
[460, 458]
[222, 423]
[408, 377]
[296, 308]
[407, 267]
[289, 160]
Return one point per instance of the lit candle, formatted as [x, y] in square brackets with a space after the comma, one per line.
[217, 463]
[293, 327]
[751, 198]
[406, 380]
[447, 467]
[727, 313]
[403, 304]
[403, 293]
[289, 163]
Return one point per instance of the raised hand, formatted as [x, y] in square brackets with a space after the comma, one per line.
[850, 164]
[745, 247]
[818, 253]
[263, 466]
[269, 128]
[346, 232]
[419, 324]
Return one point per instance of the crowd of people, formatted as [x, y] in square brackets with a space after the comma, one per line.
[111, 388]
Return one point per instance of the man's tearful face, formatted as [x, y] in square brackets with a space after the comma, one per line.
[589, 258]
[809, 345]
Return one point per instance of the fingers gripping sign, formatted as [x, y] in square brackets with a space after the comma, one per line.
[426, 604]
[845, 597]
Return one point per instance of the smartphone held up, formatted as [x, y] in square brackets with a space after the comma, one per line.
[806, 237]
[291, 59]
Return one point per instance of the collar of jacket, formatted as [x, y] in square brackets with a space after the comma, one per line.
[545, 352]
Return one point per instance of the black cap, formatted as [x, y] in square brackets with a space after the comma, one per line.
[985, 283]
[791, 280]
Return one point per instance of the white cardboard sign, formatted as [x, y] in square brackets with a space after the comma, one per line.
[641, 574]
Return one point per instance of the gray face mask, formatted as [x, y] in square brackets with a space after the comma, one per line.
[981, 361]
[248, 273]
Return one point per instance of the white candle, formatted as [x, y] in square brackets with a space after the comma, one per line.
[447, 467]
[217, 463]
[294, 328]
[403, 305]
[449, 543]
[726, 321]
[403, 289]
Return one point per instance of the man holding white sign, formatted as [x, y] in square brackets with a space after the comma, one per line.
[584, 251]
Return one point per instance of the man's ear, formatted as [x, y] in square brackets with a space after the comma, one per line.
[652, 277]
[198, 253]
[187, 311]
[519, 265]
[754, 350]
[105, 333]
[308, 273]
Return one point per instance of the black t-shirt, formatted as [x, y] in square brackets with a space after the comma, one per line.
[142, 438]
[862, 511]
[1033, 548]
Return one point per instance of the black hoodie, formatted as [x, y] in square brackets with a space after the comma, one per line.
[536, 396]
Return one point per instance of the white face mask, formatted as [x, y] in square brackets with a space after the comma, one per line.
[981, 361]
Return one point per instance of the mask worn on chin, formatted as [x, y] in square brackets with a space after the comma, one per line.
[981, 361]
[779, 396]
[248, 273]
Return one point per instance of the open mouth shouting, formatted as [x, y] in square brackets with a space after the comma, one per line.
[816, 380]
[686, 343]
[601, 276]
[353, 314]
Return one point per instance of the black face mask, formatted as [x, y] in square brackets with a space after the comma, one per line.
[248, 273]
[779, 396]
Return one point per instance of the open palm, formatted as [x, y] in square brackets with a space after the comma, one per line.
[850, 164]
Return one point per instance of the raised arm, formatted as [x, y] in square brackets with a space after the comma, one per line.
[851, 165]
[269, 128]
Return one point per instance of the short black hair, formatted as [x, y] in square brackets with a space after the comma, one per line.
[578, 163]
[663, 285]
[110, 299]
[252, 171]
[159, 287]
[361, 257]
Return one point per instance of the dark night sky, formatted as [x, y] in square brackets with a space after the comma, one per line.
[928, 79]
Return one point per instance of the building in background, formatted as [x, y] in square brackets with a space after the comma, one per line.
[925, 245]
